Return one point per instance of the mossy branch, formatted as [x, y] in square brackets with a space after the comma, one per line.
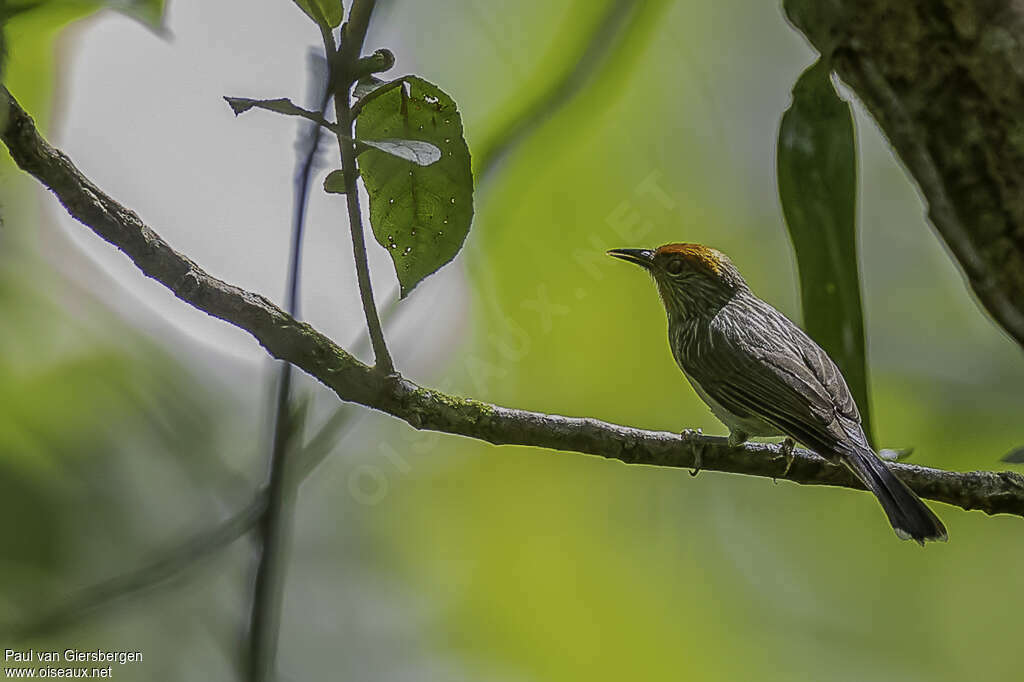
[302, 345]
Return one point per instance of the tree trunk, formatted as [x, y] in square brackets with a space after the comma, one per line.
[944, 79]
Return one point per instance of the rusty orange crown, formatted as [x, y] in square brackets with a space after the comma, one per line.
[697, 254]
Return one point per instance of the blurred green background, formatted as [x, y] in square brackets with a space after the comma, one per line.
[420, 556]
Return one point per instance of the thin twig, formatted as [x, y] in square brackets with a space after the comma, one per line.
[299, 343]
[265, 614]
[267, 592]
[342, 65]
[264, 619]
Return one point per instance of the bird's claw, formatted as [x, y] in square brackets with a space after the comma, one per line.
[697, 463]
[698, 450]
[787, 452]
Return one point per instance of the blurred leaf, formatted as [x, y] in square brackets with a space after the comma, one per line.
[420, 214]
[1015, 456]
[324, 12]
[58, 13]
[149, 12]
[79, 410]
[12, 8]
[817, 171]
[419, 152]
[30, 520]
[334, 183]
[34, 426]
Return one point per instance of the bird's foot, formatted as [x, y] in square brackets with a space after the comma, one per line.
[787, 452]
[737, 438]
[698, 448]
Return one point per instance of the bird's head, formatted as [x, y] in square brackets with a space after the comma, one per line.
[691, 278]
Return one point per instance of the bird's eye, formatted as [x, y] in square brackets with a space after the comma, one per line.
[674, 266]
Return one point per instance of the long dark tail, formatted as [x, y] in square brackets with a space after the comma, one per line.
[909, 516]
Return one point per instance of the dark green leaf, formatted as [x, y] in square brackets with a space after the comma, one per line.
[324, 12]
[240, 105]
[1015, 456]
[281, 105]
[334, 183]
[817, 175]
[421, 215]
[419, 152]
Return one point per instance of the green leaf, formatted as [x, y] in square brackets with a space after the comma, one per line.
[324, 12]
[281, 105]
[817, 175]
[420, 214]
[334, 183]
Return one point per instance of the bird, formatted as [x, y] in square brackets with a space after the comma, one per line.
[763, 376]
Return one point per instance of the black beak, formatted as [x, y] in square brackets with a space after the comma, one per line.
[641, 257]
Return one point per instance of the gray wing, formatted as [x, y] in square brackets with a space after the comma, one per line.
[780, 376]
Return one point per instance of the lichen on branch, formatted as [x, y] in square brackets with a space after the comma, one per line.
[299, 343]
